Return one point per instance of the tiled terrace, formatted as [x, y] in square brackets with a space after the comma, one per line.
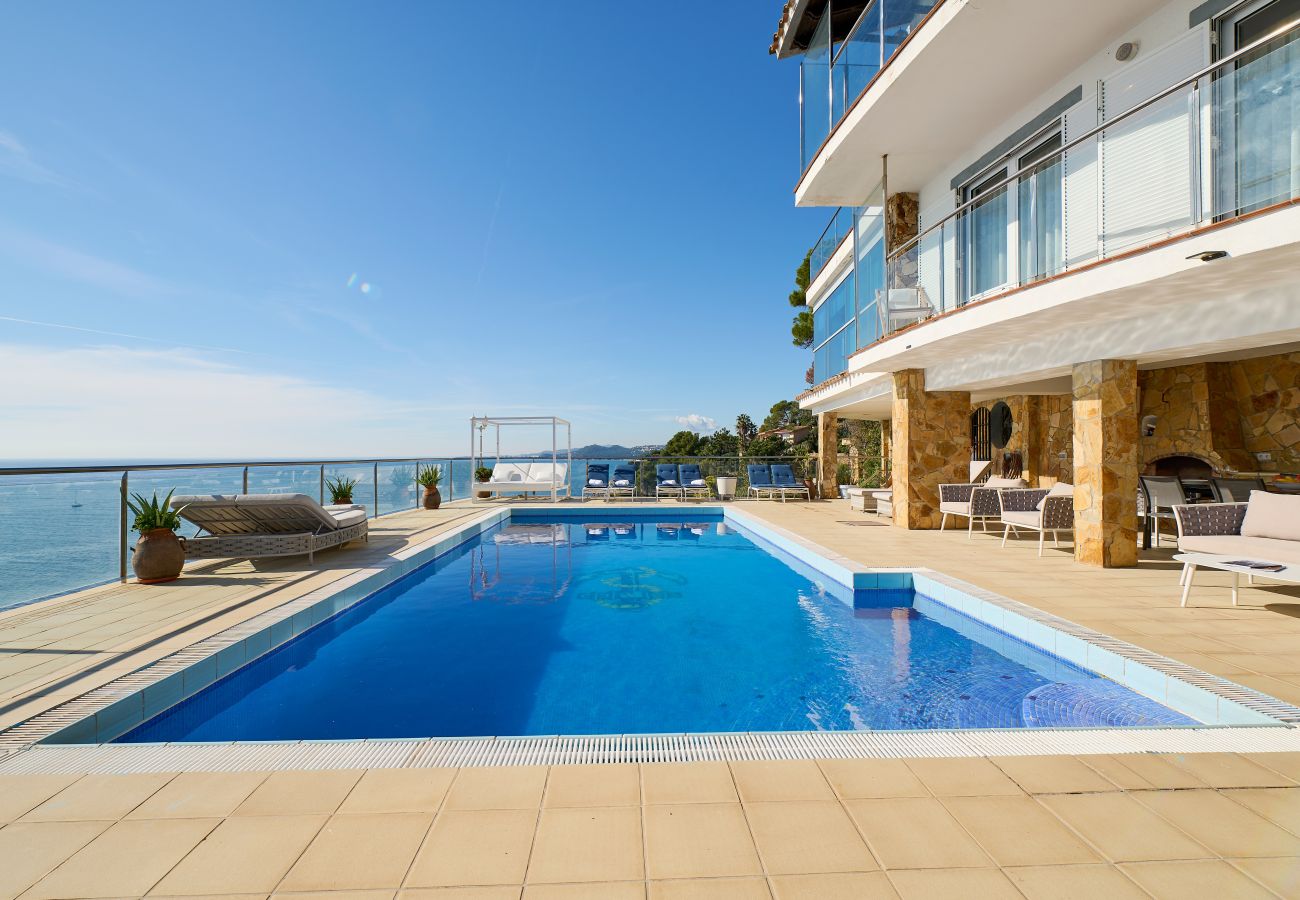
[1062, 826]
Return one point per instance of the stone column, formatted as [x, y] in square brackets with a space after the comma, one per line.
[1105, 462]
[828, 454]
[931, 438]
[886, 454]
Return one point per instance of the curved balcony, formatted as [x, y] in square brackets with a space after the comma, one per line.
[922, 82]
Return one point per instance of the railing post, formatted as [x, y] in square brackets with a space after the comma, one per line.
[375, 483]
[124, 530]
[245, 479]
[416, 486]
[451, 480]
[322, 484]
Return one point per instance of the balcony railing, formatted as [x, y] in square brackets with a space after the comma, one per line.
[832, 78]
[1214, 146]
[65, 528]
[837, 229]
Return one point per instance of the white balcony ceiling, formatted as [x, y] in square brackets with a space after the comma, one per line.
[970, 66]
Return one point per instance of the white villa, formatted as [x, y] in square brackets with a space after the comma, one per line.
[1086, 211]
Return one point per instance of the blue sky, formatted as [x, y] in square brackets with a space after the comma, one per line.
[265, 229]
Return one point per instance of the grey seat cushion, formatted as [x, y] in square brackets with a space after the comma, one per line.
[1256, 548]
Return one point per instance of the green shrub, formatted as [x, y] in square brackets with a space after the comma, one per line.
[482, 473]
[430, 476]
[340, 489]
[150, 514]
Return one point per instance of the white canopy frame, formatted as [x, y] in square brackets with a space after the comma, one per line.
[481, 424]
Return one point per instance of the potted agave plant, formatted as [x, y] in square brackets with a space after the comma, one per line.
[482, 473]
[340, 489]
[159, 554]
[429, 478]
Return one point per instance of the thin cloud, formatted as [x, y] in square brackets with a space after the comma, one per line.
[69, 263]
[119, 334]
[16, 162]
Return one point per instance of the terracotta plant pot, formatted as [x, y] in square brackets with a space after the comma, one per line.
[483, 495]
[432, 498]
[159, 556]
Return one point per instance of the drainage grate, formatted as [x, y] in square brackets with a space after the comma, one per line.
[117, 759]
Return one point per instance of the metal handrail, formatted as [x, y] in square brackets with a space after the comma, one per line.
[1093, 132]
[848, 39]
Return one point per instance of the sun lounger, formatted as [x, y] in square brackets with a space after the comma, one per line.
[760, 481]
[786, 483]
[257, 526]
[623, 482]
[597, 481]
[668, 481]
[693, 483]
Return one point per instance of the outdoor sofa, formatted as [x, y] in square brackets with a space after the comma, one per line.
[1265, 528]
[257, 526]
[526, 478]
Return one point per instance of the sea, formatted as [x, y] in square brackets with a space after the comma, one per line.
[61, 533]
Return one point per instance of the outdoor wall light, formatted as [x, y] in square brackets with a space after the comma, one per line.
[1209, 255]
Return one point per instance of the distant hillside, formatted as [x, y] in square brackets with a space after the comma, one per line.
[605, 451]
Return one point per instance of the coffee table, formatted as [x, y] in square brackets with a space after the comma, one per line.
[1192, 561]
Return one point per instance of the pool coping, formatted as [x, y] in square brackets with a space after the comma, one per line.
[1241, 715]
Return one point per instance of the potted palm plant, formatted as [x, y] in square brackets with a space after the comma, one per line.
[340, 489]
[429, 478]
[159, 554]
[482, 473]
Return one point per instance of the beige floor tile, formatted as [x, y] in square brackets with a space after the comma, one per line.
[906, 833]
[698, 841]
[588, 844]
[606, 785]
[333, 895]
[1280, 806]
[1225, 827]
[299, 793]
[799, 837]
[944, 884]
[1073, 883]
[399, 790]
[696, 782]
[781, 779]
[242, 855]
[475, 847]
[839, 886]
[1287, 764]
[125, 861]
[624, 890]
[1228, 770]
[359, 851]
[462, 893]
[20, 793]
[1053, 774]
[710, 889]
[1198, 878]
[870, 779]
[97, 797]
[30, 850]
[1281, 875]
[1016, 831]
[1123, 829]
[1142, 771]
[513, 787]
[963, 777]
[192, 795]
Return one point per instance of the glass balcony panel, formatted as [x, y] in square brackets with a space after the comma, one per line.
[39, 562]
[985, 252]
[363, 492]
[284, 480]
[836, 230]
[1256, 114]
[901, 17]
[815, 93]
[856, 62]
[397, 488]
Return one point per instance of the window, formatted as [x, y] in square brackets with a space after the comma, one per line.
[1013, 230]
[1257, 110]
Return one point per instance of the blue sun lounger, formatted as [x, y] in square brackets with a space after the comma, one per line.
[692, 481]
[597, 481]
[786, 483]
[760, 480]
[623, 482]
[668, 481]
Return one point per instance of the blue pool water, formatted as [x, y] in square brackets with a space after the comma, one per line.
[565, 625]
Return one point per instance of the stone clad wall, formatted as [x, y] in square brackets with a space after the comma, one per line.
[1042, 429]
[931, 446]
[1267, 392]
[1105, 462]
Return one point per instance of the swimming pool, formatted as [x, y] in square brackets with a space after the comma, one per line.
[621, 624]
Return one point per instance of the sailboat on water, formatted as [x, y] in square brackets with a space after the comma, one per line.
[76, 500]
